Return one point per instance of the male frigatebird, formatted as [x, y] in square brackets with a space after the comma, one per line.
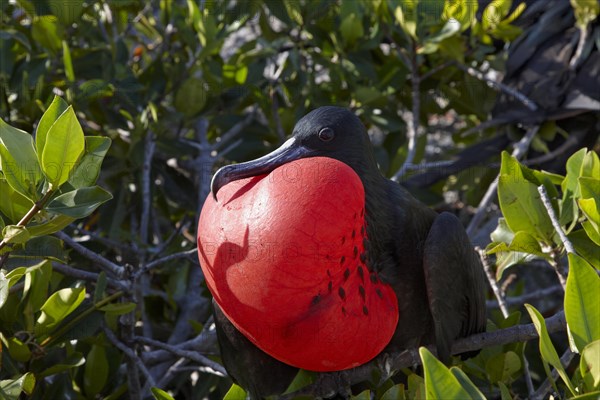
[315, 260]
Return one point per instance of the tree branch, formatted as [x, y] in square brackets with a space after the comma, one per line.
[191, 355]
[104, 264]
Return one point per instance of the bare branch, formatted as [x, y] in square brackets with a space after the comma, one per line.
[413, 125]
[492, 280]
[86, 275]
[548, 205]
[191, 355]
[150, 145]
[166, 259]
[527, 102]
[528, 297]
[104, 264]
[130, 354]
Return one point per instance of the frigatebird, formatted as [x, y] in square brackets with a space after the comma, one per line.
[392, 275]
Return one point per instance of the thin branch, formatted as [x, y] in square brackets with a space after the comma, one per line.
[234, 131]
[86, 275]
[528, 297]
[166, 259]
[554, 219]
[37, 206]
[546, 386]
[518, 152]
[150, 145]
[437, 69]
[527, 102]
[492, 280]
[503, 307]
[191, 355]
[413, 128]
[130, 354]
[104, 264]
[329, 384]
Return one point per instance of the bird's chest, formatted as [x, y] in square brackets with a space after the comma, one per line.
[286, 261]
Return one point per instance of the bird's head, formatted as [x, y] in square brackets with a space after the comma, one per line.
[332, 132]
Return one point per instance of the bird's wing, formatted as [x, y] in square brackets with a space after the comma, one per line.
[455, 283]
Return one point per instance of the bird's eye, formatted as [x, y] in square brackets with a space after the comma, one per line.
[326, 134]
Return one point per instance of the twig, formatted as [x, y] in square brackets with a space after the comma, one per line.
[518, 152]
[146, 195]
[86, 275]
[328, 383]
[554, 219]
[413, 128]
[191, 355]
[528, 297]
[503, 307]
[234, 131]
[546, 386]
[104, 264]
[492, 280]
[527, 102]
[437, 69]
[166, 259]
[37, 206]
[129, 353]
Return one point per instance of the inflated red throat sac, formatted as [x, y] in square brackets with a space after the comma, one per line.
[284, 256]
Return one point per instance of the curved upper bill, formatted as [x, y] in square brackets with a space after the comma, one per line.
[288, 151]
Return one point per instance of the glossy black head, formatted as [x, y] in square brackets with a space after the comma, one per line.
[332, 132]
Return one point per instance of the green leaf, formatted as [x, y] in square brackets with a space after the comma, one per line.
[351, 29]
[11, 389]
[467, 384]
[12, 203]
[364, 395]
[18, 160]
[501, 367]
[4, 287]
[15, 234]
[118, 308]
[585, 11]
[191, 96]
[69, 72]
[54, 224]
[17, 350]
[464, 11]
[74, 360]
[440, 383]
[591, 210]
[56, 108]
[303, 378]
[396, 392]
[578, 165]
[96, 371]
[520, 201]
[235, 393]
[547, 349]
[504, 392]
[48, 32]
[64, 146]
[58, 306]
[37, 279]
[450, 28]
[79, 203]
[582, 309]
[589, 365]
[160, 394]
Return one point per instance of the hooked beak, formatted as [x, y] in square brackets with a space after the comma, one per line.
[288, 151]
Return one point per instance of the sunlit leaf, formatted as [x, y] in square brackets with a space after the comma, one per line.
[64, 146]
[79, 203]
[439, 381]
[547, 349]
[582, 309]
